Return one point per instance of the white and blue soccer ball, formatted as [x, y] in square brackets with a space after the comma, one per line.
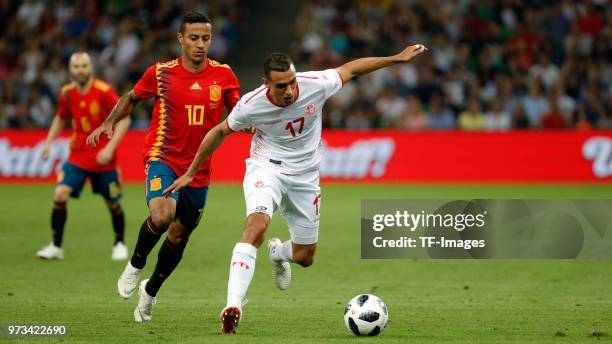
[366, 315]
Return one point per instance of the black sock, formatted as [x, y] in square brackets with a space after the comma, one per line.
[169, 257]
[147, 239]
[58, 220]
[118, 223]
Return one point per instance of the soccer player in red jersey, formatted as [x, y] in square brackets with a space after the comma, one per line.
[190, 93]
[85, 101]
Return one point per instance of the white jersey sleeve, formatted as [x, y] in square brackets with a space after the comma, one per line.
[238, 118]
[330, 79]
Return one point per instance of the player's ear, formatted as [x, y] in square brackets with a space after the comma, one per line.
[265, 81]
[179, 37]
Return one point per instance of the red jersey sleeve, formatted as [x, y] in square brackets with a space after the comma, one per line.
[232, 95]
[63, 111]
[146, 87]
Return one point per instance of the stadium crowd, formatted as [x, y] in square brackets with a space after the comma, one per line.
[492, 65]
[124, 37]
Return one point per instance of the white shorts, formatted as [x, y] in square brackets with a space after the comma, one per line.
[297, 196]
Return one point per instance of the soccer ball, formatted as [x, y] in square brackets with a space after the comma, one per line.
[366, 315]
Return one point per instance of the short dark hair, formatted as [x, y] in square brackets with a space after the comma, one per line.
[279, 62]
[193, 17]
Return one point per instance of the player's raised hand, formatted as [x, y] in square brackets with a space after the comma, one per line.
[94, 138]
[411, 52]
[45, 151]
[182, 182]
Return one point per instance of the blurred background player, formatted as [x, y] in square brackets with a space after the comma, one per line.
[190, 95]
[85, 101]
[283, 171]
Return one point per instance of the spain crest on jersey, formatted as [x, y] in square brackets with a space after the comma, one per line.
[215, 93]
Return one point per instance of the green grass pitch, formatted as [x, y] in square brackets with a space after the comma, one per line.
[430, 301]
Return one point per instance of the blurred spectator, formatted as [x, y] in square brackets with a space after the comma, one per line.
[581, 122]
[535, 104]
[565, 103]
[520, 120]
[41, 108]
[128, 43]
[390, 107]
[593, 106]
[455, 89]
[496, 118]
[472, 118]
[413, 118]
[440, 116]
[55, 76]
[30, 13]
[427, 86]
[554, 119]
[444, 53]
[545, 71]
[33, 61]
[590, 22]
[20, 119]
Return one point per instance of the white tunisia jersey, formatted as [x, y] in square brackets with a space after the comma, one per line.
[287, 138]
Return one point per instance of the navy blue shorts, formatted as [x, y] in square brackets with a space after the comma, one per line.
[103, 183]
[190, 201]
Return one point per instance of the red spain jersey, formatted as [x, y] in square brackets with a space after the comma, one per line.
[87, 110]
[187, 106]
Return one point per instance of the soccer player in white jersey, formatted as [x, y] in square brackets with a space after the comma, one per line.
[283, 170]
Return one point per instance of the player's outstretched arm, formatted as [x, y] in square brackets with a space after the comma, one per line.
[122, 109]
[209, 144]
[366, 65]
[56, 127]
[106, 154]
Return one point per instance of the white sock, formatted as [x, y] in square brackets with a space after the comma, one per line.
[283, 253]
[242, 268]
